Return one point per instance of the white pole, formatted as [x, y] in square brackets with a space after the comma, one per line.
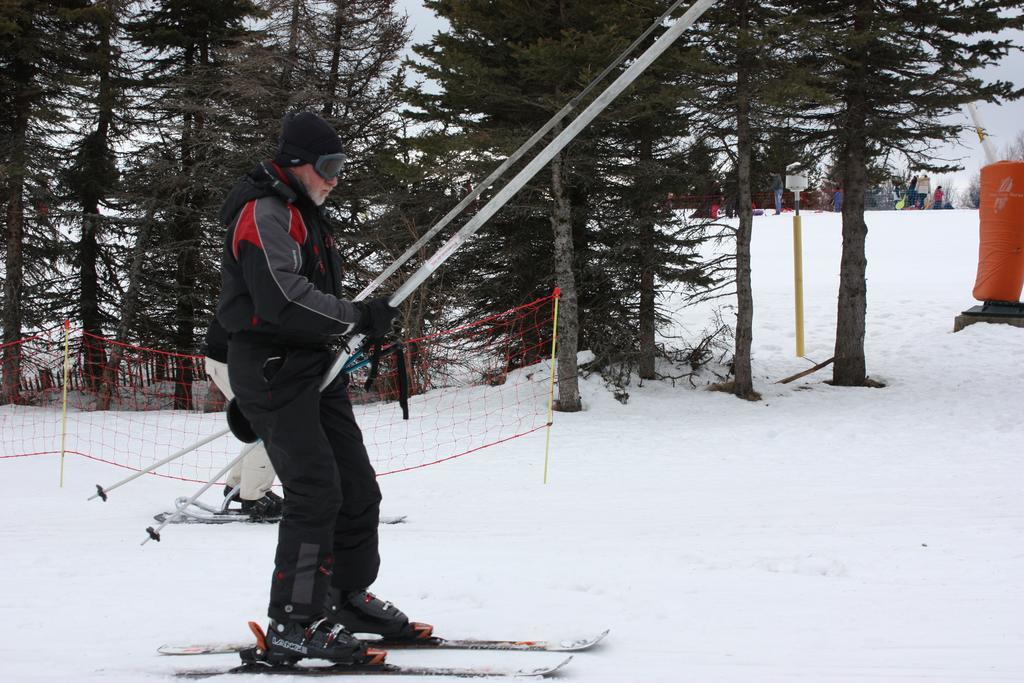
[101, 492]
[154, 534]
[990, 151]
[525, 147]
[533, 167]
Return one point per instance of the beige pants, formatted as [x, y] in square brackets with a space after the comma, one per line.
[253, 473]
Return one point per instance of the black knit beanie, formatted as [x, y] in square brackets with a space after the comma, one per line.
[304, 137]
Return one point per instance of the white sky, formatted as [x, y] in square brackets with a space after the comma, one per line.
[1003, 122]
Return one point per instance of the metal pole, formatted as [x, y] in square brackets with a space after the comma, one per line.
[986, 144]
[532, 168]
[798, 275]
[154, 534]
[64, 400]
[525, 147]
[551, 383]
[102, 492]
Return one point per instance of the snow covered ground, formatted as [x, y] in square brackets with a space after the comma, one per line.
[822, 534]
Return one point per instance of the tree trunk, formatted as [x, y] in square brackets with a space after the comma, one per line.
[579, 207]
[14, 276]
[97, 171]
[88, 297]
[743, 382]
[335, 65]
[850, 368]
[129, 306]
[23, 75]
[568, 307]
[186, 232]
[292, 56]
[648, 258]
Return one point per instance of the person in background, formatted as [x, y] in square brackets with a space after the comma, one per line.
[924, 190]
[911, 198]
[250, 480]
[939, 198]
[777, 188]
[837, 199]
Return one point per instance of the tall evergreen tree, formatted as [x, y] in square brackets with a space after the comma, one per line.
[503, 70]
[189, 44]
[748, 79]
[896, 70]
[91, 182]
[40, 48]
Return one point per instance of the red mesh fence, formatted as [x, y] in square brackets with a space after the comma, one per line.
[810, 200]
[472, 387]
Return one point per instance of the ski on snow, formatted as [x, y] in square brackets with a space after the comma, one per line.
[378, 670]
[202, 513]
[431, 643]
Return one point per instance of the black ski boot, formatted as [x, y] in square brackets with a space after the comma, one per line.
[266, 509]
[287, 642]
[364, 612]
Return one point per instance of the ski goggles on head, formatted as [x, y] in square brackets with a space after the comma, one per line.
[329, 166]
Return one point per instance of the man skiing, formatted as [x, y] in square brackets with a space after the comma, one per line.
[281, 303]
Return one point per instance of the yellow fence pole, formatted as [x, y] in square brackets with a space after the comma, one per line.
[64, 409]
[551, 389]
[798, 283]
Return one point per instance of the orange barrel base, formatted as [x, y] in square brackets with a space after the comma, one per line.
[1001, 247]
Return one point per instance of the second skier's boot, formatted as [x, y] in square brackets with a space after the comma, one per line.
[266, 509]
[364, 612]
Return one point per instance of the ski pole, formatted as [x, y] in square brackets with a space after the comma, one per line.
[154, 534]
[101, 492]
[515, 156]
[531, 169]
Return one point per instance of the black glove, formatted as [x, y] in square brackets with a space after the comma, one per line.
[375, 317]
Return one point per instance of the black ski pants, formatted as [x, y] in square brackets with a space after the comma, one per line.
[328, 533]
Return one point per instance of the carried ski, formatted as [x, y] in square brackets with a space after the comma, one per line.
[200, 513]
[430, 643]
[378, 670]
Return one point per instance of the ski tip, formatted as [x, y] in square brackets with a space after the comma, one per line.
[545, 671]
[570, 645]
[168, 649]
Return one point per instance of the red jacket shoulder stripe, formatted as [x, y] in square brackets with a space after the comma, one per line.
[245, 229]
[296, 226]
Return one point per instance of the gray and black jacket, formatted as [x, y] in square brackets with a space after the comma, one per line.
[281, 276]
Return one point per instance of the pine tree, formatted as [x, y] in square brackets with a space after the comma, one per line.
[503, 70]
[40, 44]
[90, 183]
[748, 78]
[895, 70]
[189, 46]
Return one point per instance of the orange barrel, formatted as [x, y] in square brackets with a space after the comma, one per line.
[1001, 248]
